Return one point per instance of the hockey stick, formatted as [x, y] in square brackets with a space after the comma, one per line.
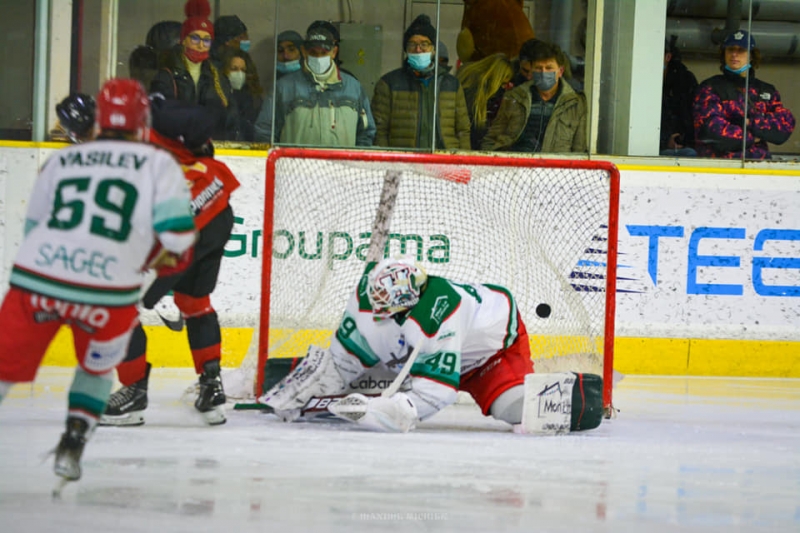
[174, 325]
[395, 385]
[318, 405]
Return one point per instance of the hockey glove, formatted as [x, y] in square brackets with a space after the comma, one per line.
[167, 263]
[395, 414]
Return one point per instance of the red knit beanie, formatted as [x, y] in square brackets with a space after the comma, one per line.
[197, 13]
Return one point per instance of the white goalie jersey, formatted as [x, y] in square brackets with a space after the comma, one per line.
[457, 327]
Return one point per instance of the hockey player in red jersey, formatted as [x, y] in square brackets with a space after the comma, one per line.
[184, 130]
[97, 210]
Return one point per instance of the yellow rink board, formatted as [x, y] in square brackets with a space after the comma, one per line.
[676, 357]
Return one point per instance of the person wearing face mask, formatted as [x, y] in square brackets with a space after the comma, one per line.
[247, 91]
[544, 114]
[288, 55]
[724, 120]
[318, 105]
[406, 106]
[230, 33]
[190, 76]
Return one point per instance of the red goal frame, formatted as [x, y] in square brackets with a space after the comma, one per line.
[444, 159]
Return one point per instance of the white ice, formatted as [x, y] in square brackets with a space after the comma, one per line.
[684, 454]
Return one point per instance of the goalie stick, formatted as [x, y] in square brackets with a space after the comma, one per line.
[317, 406]
[395, 385]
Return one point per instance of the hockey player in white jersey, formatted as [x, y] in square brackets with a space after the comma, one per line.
[447, 336]
[100, 213]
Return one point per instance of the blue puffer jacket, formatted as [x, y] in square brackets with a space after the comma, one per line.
[334, 113]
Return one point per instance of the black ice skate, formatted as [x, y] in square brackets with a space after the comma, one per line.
[211, 397]
[126, 406]
[69, 450]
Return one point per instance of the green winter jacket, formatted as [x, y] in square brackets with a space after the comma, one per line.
[397, 108]
[566, 130]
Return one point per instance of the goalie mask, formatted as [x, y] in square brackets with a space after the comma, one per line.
[394, 286]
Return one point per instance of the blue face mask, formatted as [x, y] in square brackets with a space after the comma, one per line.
[244, 46]
[289, 66]
[738, 70]
[419, 62]
[544, 81]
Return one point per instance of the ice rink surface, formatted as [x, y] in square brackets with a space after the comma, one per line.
[684, 454]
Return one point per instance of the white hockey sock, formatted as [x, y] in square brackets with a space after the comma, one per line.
[5, 386]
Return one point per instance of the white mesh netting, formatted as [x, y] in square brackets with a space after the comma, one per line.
[541, 232]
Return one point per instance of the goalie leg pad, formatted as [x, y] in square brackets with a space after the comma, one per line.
[587, 402]
[561, 402]
[315, 376]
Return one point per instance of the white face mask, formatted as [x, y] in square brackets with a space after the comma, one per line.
[319, 65]
[237, 79]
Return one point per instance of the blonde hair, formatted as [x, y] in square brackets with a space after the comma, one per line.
[484, 78]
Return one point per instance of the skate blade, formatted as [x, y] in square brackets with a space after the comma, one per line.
[215, 416]
[135, 418]
[60, 484]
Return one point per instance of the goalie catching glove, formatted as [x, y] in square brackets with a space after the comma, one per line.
[396, 413]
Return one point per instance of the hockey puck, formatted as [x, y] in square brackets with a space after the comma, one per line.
[543, 310]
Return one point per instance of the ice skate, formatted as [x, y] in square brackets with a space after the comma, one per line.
[211, 398]
[126, 406]
[68, 452]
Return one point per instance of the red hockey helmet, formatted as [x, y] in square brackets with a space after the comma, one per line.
[122, 105]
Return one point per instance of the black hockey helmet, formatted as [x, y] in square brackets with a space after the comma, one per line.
[76, 114]
[192, 124]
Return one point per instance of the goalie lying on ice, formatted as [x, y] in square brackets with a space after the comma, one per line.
[445, 336]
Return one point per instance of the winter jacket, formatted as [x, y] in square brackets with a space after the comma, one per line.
[175, 83]
[719, 120]
[678, 91]
[566, 129]
[398, 103]
[248, 107]
[306, 113]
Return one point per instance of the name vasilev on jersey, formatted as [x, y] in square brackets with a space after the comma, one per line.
[95, 214]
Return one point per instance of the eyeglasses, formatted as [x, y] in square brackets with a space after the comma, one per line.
[196, 39]
[425, 46]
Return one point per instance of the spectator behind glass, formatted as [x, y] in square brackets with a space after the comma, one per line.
[719, 106]
[143, 64]
[229, 33]
[163, 37]
[319, 105]
[190, 76]
[524, 70]
[288, 54]
[444, 57]
[544, 114]
[484, 84]
[677, 130]
[247, 91]
[404, 103]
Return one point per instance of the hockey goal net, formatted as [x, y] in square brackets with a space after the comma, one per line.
[545, 229]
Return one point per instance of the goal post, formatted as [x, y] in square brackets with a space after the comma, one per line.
[544, 228]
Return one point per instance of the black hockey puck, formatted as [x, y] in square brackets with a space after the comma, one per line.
[543, 310]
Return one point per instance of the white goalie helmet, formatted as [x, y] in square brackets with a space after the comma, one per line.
[394, 286]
